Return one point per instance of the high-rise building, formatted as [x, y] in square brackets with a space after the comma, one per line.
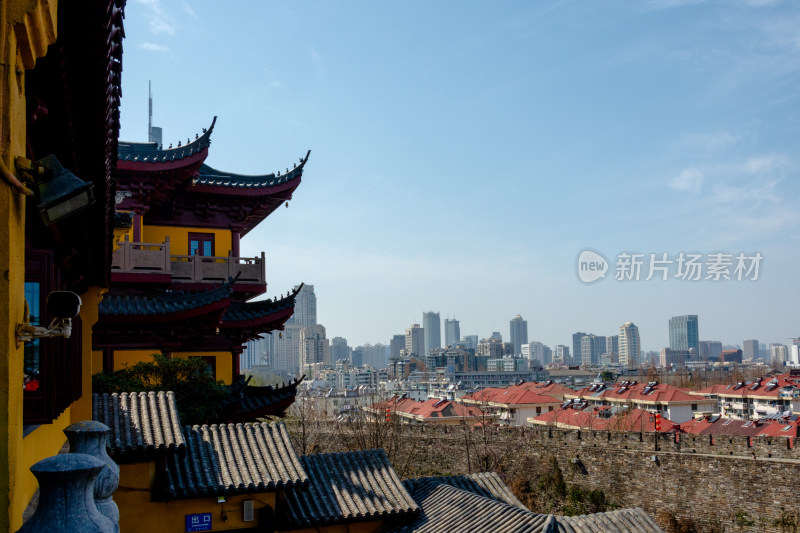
[519, 333]
[396, 345]
[561, 354]
[255, 353]
[576, 347]
[710, 350]
[612, 344]
[452, 332]
[286, 350]
[673, 358]
[592, 347]
[684, 334]
[314, 347]
[305, 307]
[339, 349]
[750, 349]
[415, 341]
[794, 352]
[630, 347]
[432, 328]
[471, 341]
[779, 354]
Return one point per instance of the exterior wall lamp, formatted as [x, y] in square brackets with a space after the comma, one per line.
[61, 193]
[63, 305]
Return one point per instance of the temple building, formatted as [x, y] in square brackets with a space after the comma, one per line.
[178, 284]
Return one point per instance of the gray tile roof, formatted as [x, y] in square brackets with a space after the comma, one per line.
[219, 178]
[486, 484]
[446, 509]
[143, 424]
[624, 520]
[229, 459]
[347, 487]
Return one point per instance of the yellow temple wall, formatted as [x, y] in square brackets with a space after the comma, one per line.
[224, 363]
[179, 238]
[137, 514]
[36, 21]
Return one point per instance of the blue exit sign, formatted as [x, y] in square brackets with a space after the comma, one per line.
[198, 522]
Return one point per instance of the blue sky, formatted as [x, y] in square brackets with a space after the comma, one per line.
[464, 153]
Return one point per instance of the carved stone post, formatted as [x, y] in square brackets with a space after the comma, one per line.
[66, 496]
[91, 438]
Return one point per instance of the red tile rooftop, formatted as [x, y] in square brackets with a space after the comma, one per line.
[601, 418]
[642, 392]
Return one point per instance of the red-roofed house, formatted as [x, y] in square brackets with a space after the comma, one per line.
[513, 405]
[716, 425]
[602, 418]
[756, 399]
[549, 388]
[434, 411]
[672, 402]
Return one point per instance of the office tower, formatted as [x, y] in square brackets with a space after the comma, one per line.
[673, 358]
[794, 352]
[576, 347]
[612, 344]
[339, 349]
[750, 349]
[519, 333]
[684, 334]
[471, 341]
[710, 350]
[779, 354]
[396, 345]
[415, 341]
[305, 307]
[432, 328]
[630, 347]
[255, 353]
[561, 354]
[314, 347]
[286, 350]
[452, 332]
[592, 347]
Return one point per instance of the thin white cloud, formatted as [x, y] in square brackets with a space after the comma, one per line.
[159, 20]
[154, 47]
[189, 11]
[690, 179]
[669, 4]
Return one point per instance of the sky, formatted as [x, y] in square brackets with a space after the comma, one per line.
[465, 153]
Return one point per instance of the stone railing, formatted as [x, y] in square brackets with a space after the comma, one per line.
[155, 258]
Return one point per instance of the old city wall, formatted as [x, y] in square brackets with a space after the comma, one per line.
[726, 483]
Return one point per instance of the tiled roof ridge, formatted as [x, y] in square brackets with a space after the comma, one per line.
[235, 458]
[150, 152]
[347, 486]
[162, 302]
[142, 423]
[210, 176]
[239, 311]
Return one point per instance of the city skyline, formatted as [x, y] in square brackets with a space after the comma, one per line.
[684, 113]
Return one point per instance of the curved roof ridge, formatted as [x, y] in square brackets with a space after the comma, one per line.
[208, 175]
[151, 152]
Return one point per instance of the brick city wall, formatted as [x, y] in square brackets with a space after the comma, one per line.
[728, 483]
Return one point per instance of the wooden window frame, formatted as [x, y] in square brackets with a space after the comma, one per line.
[202, 238]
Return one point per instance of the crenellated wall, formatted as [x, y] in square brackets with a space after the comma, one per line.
[726, 482]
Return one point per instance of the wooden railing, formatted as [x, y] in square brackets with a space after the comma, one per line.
[155, 258]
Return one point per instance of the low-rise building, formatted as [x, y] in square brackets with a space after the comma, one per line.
[432, 411]
[672, 402]
[513, 405]
[577, 415]
[756, 399]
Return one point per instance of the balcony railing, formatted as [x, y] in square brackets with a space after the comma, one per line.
[155, 258]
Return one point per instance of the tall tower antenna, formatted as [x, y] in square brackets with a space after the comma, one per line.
[149, 112]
